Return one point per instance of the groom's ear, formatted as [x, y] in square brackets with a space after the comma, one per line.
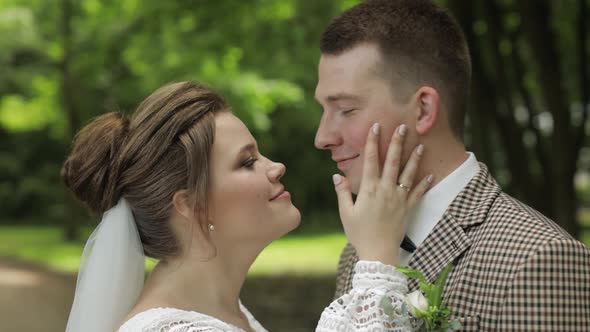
[427, 109]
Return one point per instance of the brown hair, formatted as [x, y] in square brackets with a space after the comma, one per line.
[420, 42]
[162, 149]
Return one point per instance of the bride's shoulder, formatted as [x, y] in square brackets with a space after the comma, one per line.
[171, 319]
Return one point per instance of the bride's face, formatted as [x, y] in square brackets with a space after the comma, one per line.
[248, 203]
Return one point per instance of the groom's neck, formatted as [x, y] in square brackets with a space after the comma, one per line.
[441, 159]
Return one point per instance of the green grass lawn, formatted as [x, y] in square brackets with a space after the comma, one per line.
[293, 254]
[296, 254]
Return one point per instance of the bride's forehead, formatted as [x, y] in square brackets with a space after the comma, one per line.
[226, 121]
[230, 130]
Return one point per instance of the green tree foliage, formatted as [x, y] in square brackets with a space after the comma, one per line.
[63, 62]
[68, 61]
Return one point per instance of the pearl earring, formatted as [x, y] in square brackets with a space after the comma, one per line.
[211, 228]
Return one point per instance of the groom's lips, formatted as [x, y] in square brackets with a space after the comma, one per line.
[345, 163]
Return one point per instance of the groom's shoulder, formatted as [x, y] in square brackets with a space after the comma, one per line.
[512, 214]
[503, 214]
[513, 225]
[516, 238]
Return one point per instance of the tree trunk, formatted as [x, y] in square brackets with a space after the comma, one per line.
[71, 222]
[537, 28]
[480, 124]
[550, 190]
[528, 184]
[583, 61]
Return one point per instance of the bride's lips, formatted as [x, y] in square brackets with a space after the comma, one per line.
[345, 163]
[282, 193]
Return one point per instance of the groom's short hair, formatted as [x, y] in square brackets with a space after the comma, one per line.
[420, 43]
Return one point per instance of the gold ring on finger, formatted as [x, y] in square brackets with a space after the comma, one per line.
[404, 187]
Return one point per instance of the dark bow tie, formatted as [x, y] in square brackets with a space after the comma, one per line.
[408, 245]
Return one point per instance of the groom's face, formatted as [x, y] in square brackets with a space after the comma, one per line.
[354, 94]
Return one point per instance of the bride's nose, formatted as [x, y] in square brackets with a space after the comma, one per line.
[276, 171]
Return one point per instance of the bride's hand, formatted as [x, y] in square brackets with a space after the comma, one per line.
[375, 223]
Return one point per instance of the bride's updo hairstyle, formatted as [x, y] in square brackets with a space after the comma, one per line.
[163, 148]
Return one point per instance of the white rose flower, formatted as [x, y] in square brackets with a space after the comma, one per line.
[417, 303]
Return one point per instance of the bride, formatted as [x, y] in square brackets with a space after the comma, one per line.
[182, 181]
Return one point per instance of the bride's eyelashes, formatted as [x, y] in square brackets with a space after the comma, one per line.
[249, 163]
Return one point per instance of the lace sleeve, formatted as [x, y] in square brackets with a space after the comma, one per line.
[374, 303]
[189, 327]
[176, 320]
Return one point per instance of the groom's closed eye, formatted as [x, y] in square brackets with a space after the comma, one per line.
[347, 112]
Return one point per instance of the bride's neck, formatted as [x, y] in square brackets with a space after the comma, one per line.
[211, 287]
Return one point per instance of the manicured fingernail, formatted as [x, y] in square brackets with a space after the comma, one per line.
[375, 129]
[430, 178]
[403, 129]
[420, 149]
[337, 179]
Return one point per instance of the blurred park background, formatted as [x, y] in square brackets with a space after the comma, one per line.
[63, 62]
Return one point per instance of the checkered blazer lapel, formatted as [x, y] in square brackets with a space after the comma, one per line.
[450, 239]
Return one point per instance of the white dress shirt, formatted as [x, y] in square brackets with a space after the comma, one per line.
[435, 202]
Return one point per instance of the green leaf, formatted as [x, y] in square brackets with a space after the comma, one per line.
[439, 285]
[412, 273]
[428, 291]
[455, 325]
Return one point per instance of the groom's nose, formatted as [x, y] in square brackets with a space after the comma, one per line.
[327, 135]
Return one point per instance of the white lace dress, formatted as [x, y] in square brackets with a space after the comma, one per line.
[373, 304]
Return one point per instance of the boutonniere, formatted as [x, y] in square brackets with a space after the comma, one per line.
[426, 304]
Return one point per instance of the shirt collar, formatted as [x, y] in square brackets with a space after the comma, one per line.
[435, 202]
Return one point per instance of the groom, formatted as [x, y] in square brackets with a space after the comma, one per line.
[407, 62]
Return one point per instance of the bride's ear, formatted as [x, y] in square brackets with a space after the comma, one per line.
[183, 205]
[195, 228]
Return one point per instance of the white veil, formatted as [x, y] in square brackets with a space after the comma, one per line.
[111, 273]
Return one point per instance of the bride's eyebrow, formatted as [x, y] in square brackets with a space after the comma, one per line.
[250, 147]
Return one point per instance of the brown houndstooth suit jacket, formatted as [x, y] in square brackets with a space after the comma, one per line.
[515, 270]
